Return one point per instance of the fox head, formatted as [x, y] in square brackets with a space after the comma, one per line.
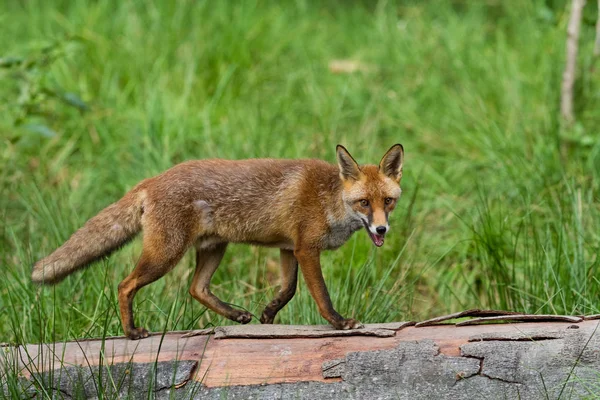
[370, 192]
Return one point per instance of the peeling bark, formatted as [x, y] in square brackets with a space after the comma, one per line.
[298, 331]
[468, 313]
[522, 318]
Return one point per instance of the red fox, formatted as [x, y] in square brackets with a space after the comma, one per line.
[302, 207]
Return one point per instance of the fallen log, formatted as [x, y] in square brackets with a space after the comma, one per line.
[527, 360]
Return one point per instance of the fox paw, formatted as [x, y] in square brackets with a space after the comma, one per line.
[347, 324]
[138, 333]
[267, 317]
[243, 318]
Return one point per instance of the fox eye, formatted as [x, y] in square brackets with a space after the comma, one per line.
[364, 202]
[388, 201]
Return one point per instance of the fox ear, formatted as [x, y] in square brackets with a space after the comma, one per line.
[391, 163]
[348, 167]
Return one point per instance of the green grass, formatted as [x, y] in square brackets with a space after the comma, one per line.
[501, 206]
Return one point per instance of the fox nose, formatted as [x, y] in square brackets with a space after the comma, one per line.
[381, 229]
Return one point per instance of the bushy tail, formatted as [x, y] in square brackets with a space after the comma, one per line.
[106, 232]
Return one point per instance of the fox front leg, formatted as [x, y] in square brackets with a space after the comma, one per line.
[310, 265]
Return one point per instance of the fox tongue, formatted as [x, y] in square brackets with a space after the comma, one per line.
[377, 239]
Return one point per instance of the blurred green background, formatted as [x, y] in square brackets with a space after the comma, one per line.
[501, 204]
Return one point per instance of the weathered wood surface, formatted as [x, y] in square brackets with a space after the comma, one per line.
[444, 361]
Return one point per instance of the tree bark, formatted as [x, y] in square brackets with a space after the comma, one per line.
[597, 42]
[566, 103]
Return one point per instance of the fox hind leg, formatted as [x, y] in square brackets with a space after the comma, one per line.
[162, 250]
[289, 282]
[149, 268]
[207, 262]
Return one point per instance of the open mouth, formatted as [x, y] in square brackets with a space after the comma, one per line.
[377, 239]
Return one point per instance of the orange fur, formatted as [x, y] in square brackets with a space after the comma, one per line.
[300, 206]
